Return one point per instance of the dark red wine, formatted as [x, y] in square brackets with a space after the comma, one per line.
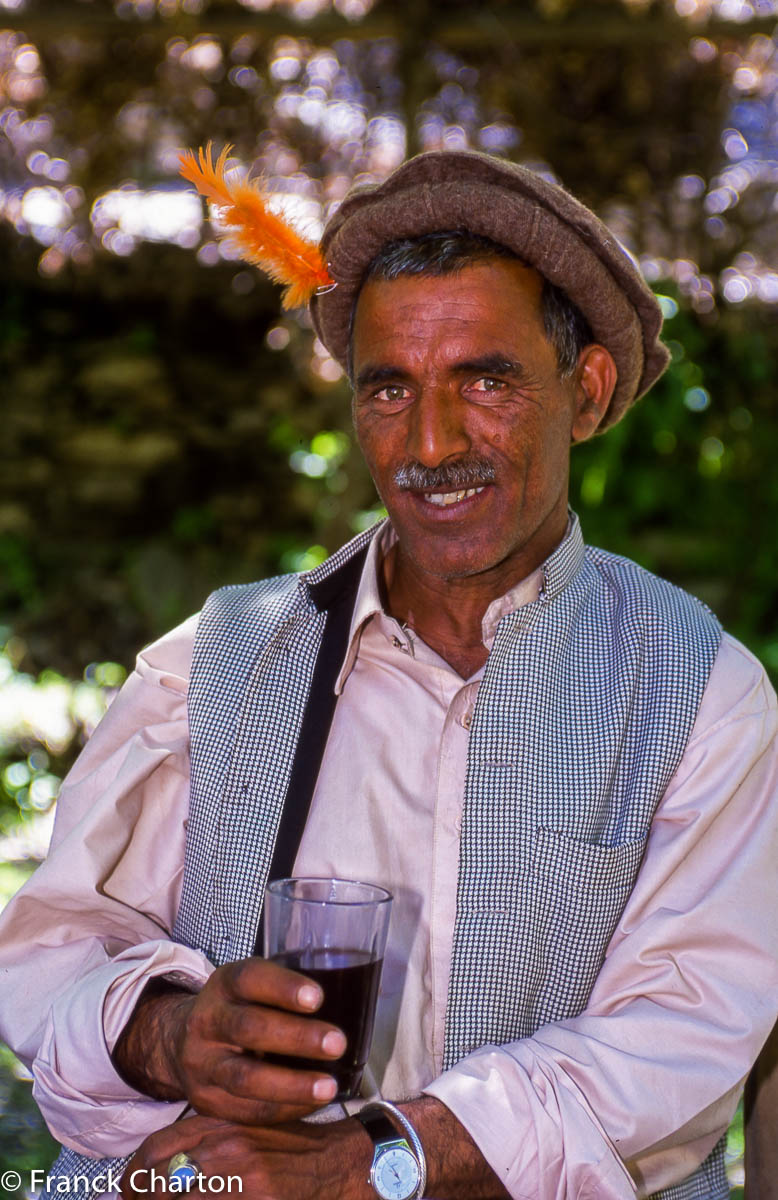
[349, 980]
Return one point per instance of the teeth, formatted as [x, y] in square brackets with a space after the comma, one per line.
[443, 498]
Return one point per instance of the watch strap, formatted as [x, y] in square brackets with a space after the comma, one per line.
[378, 1126]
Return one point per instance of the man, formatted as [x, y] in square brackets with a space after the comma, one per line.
[555, 761]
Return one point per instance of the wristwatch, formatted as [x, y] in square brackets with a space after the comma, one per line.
[398, 1171]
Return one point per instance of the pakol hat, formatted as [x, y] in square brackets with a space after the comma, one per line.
[542, 223]
[448, 191]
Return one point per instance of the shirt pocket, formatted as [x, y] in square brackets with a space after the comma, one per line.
[579, 891]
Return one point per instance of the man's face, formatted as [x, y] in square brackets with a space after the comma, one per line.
[457, 384]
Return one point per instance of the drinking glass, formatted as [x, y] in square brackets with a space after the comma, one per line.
[334, 931]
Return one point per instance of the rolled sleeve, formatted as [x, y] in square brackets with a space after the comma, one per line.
[535, 1130]
[85, 1103]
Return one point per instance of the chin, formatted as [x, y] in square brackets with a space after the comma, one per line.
[454, 565]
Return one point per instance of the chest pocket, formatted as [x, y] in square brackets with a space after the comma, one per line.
[579, 890]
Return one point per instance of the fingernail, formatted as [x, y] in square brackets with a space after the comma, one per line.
[334, 1043]
[309, 996]
[325, 1089]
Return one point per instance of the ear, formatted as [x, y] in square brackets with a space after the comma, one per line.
[595, 380]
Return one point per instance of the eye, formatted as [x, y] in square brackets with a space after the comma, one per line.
[488, 385]
[393, 395]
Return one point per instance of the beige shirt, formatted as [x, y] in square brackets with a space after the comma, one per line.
[648, 1075]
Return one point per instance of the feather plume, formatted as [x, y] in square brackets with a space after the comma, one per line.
[265, 239]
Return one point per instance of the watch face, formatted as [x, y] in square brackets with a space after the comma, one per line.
[396, 1174]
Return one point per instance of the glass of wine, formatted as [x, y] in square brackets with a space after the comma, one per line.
[334, 931]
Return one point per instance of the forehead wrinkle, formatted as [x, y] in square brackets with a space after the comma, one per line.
[451, 337]
[415, 320]
[432, 333]
[409, 318]
[423, 324]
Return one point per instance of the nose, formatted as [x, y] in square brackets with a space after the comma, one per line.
[437, 428]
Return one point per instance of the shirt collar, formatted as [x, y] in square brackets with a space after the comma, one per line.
[368, 601]
[543, 584]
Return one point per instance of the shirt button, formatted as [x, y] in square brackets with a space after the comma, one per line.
[467, 719]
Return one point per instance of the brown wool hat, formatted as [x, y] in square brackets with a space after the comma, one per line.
[547, 227]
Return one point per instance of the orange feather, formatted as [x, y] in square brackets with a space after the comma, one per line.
[264, 238]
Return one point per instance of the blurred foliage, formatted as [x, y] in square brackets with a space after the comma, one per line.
[146, 450]
[25, 1143]
[43, 723]
[734, 1152]
[166, 431]
[685, 484]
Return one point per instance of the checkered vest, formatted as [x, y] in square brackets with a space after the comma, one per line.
[587, 702]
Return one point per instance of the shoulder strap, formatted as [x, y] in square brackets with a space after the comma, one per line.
[336, 596]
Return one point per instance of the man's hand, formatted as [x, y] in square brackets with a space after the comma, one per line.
[282, 1162]
[300, 1161]
[207, 1048]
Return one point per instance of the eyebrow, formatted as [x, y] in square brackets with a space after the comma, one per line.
[371, 375]
[487, 364]
[490, 364]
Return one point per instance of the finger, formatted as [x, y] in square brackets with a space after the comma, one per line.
[250, 1078]
[232, 1086]
[159, 1147]
[261, 981]
[209, 1100]
[264, 1030]
[220, 1105]
[220, 1157]
[139, 1180]
[234, 1157]
[126, 1190]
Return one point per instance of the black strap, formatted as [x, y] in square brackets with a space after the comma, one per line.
[379, 1126]
[336, 595]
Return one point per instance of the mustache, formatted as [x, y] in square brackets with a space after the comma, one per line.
[471, 471]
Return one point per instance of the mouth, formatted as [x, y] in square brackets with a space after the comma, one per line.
[446, 499]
